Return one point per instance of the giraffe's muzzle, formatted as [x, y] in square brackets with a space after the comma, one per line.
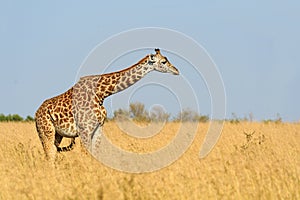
[174, 70]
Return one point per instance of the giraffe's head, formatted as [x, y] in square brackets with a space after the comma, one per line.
[160, 63]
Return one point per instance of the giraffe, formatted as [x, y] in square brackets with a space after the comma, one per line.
[79, 112]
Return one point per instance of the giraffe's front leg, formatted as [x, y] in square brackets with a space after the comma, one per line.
[86, 128]
[90, 124]
[97, 134]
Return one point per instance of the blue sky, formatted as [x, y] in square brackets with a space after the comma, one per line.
[255, 45]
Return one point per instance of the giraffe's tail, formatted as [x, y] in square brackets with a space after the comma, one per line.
[67, 148]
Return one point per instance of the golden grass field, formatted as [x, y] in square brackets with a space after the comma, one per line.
[267, 166]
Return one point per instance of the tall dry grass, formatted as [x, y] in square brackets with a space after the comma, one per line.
[265, 165]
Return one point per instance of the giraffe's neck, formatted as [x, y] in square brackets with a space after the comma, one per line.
[117, 81]
[131, 75]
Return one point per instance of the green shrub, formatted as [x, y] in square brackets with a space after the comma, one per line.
[14, 118]
[29, 118]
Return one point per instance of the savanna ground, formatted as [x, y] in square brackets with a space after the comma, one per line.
[265, 165]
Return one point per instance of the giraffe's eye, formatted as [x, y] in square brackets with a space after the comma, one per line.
[164, 62]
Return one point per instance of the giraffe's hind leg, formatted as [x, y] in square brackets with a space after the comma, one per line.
[58, 139]
[46, 132]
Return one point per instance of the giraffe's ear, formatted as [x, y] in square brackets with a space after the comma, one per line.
[151, 57]
[151, 62]
[157, 51]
